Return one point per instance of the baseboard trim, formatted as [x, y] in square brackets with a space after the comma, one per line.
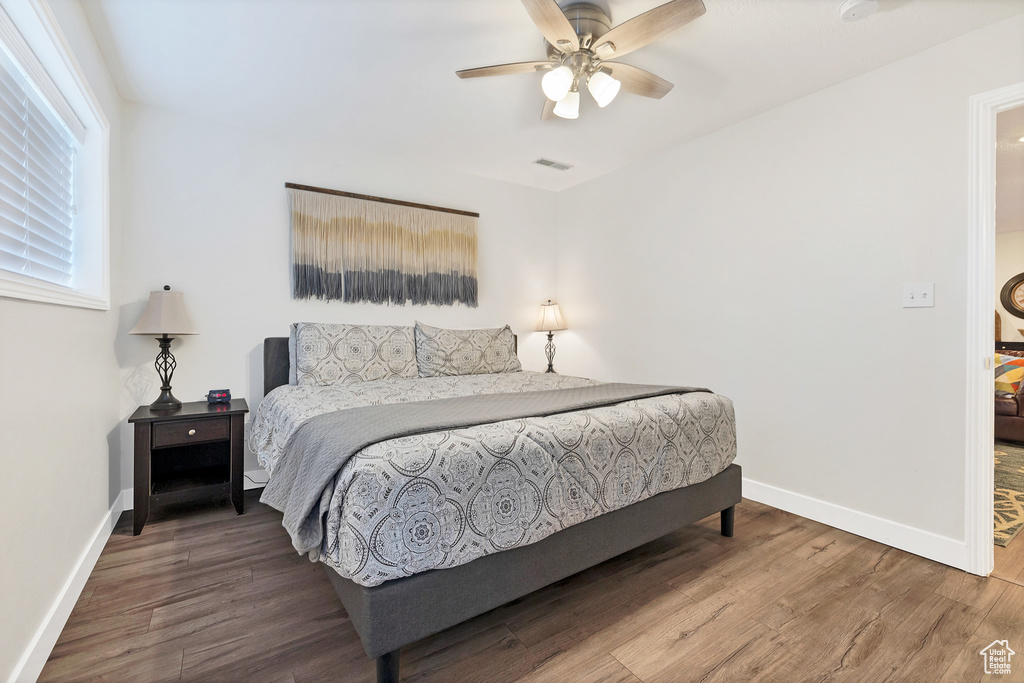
[254, 479]
[38, 650]
[927, 544]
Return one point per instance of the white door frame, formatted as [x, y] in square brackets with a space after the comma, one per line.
[981, 234]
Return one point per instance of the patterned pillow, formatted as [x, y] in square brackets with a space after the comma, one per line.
[1009, 373]
[441, 352]
[327, 353]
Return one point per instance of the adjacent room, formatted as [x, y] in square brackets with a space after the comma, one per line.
[518, 340]
[1009, 364]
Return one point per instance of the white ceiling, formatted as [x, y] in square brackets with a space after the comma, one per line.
[379, 75]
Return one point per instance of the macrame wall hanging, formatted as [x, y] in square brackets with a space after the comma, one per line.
[356, 248]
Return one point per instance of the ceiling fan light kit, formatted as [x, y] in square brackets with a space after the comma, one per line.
[579, 42]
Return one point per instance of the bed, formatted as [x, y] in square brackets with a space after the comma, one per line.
[395, 597]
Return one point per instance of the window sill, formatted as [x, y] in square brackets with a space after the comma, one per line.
[14, 286]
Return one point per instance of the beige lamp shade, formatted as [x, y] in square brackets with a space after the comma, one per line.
[165, 314]
[550, 318]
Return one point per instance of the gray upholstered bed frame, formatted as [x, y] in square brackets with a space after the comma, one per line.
[402, 611]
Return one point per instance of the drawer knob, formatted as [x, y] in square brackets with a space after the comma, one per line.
[191, 432]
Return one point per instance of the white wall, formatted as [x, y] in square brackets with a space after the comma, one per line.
[1009, 262]
[766, 260]
[206, 212]
[59, 418]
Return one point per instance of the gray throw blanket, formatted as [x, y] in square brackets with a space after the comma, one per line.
[301, 484]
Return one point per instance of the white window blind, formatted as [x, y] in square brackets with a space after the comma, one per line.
[36, 182]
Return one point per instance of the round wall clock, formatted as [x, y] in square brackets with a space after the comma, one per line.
[1012, 295]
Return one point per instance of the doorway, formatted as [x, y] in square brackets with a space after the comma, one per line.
[979, 479]
[1009, 282]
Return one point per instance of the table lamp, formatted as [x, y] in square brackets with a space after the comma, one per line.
[550, 320]
[165, 315]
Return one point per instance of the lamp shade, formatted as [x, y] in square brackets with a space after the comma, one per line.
[550, 318]
[556, 83]
[603, 87]
[569, 106]
[165, 314]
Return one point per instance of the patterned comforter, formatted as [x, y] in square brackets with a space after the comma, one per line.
[440, 500]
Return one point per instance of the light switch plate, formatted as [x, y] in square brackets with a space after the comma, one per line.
[919, 296]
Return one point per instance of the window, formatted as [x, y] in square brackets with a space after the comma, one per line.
[36, 192]
[53, 167]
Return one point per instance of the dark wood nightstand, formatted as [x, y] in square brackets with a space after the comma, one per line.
[192, 453]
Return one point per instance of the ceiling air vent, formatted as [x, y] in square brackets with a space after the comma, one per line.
[553, 164]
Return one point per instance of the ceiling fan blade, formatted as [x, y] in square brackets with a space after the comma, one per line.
[502, 69]
[552, 23]
[647, 27]
[549, 110]
[637, 81]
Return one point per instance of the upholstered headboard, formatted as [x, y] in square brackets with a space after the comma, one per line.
[276, 363]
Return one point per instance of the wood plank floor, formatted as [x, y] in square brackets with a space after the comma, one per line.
[212, 596]
[1010, 561]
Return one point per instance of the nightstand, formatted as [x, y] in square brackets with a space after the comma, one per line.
[189, 454]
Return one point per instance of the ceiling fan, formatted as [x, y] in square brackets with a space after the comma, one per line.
[581, 40]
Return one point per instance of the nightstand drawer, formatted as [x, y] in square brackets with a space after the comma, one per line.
[184, 432]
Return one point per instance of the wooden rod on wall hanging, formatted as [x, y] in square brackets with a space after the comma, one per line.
[370, 198]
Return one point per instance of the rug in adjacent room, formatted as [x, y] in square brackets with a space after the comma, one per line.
[1009, 493]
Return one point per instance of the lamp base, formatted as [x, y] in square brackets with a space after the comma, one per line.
[166, 401]
[549, 350]
[165, 365]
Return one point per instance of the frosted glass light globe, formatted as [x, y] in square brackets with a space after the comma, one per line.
[556, 83]
[569, 106]
[603, 87]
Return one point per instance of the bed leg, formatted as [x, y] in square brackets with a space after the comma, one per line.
[387, 667]
[728, 520]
